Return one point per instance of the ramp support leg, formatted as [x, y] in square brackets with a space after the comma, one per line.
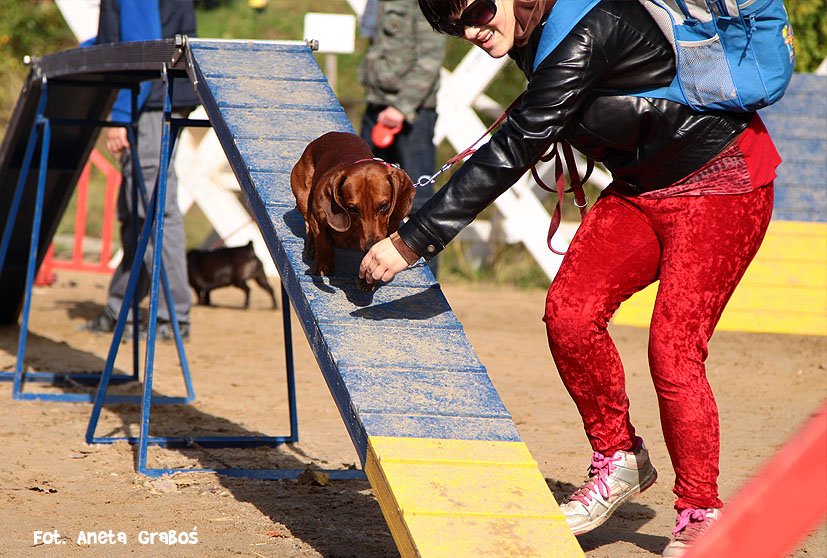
[33, 245]
[19, 376]
[155, 217]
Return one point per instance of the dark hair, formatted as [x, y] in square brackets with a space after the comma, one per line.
[438, 12]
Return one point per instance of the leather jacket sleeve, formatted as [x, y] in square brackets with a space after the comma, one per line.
[532, 126]
[576, 95]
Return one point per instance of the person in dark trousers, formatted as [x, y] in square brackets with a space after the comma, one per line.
[689, 205]
[141, 20]
[400, 72]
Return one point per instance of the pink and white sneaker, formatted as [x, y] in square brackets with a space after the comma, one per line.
[612, 480]
[691, 524]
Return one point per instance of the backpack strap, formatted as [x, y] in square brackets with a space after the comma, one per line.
[563, 17]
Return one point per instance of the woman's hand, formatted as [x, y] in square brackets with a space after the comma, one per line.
[116, 141]
[382, 262]
[391, 117]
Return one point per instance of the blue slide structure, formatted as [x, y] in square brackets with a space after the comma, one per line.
[442, 453]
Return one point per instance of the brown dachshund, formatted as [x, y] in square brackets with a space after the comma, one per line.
[348, 198]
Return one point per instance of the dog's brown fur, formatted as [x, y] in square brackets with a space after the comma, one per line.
[223, 267]
[348, 199]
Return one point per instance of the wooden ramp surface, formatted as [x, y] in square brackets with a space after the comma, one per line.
[452, 476]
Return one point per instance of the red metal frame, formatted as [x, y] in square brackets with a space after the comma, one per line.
[46, 275]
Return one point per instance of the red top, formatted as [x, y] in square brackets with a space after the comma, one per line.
[747, 164]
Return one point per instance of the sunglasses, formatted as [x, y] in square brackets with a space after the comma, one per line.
[477, 14]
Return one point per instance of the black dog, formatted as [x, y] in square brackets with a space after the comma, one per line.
[223, 267]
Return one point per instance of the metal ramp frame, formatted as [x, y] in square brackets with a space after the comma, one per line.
[74, 74]
[35, 116]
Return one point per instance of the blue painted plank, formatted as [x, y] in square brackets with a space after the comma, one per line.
[370, 346]
[808, 216]
[256, 60]
[248, 92]
[271, 155]
[796, 103]
[797, 126]
[283, 125]
[274, 188]
[808, 175]
[446, 428]
[401, 334]
[391, 305]
[800, 203]
[805, 95]
[436, 393]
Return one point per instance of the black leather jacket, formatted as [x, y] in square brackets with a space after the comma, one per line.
[646, 144]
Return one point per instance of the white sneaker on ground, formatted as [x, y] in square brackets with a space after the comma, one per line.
[612, 481]
[691, 524]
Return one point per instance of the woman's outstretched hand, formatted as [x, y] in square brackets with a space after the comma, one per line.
[116, 141]
[382, 262]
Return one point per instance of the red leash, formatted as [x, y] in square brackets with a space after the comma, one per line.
[576, 185]
[554, 153]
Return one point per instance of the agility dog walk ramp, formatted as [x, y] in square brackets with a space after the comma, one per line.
[442, 453]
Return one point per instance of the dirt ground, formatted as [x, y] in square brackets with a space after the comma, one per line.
[56, 487]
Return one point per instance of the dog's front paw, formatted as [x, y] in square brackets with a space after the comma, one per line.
[321, 267]
[309, 251]
[364, 286]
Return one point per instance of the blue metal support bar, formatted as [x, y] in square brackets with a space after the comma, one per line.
[19, 376]
[288, 361]
[160, 197]
[154, 222]
[43, 122]
[151, 210]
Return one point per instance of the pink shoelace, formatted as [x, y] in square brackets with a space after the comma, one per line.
[601, 467]
[691, 523]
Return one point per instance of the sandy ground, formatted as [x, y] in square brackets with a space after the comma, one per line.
[52, 482]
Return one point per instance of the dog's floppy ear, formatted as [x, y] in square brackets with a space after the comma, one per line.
[327, 199]
[403, 195]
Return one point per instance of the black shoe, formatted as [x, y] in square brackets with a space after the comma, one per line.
[166, 332]
[104, 323]
[127, 331]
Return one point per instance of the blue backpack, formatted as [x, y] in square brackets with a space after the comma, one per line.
[730, 54]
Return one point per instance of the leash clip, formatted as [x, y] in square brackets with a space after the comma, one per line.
[424, 180]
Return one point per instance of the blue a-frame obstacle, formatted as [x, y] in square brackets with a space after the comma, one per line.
[41, 130]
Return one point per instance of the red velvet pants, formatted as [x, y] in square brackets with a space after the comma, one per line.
[699, 248]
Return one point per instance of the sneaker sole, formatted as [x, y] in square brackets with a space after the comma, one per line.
[645, 485]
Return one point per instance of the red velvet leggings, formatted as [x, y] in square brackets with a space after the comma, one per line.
[699, 248]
